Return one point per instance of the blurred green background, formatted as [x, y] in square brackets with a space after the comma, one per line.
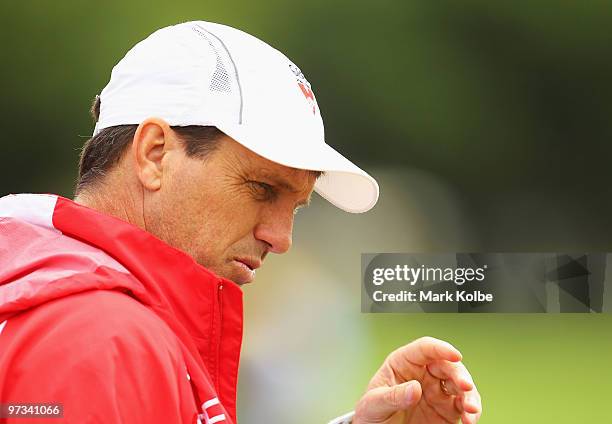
[486, 123]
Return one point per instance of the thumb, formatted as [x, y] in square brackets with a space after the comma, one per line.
[380, 403]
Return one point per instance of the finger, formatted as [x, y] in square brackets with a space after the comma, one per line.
[454, 372]
[458, 382]
[444, 404]
[467, 418]
[470, 405]
[423, 351]
[451, 388]
[459, 403]
[471, 402]
[382, 402]
[467, 403]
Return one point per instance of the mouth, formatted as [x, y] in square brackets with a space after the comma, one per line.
[246, 269]
[250, 263]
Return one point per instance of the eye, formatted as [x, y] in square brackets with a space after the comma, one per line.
[262, 191]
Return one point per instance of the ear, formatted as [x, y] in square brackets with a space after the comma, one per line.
[152, 140]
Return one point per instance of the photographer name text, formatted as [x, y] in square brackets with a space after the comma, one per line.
[432, 296]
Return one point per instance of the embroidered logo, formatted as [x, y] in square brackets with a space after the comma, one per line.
[304, 87]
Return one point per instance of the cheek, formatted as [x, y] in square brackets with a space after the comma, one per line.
[183, 209]
[210, 223]
[224, 233]
[227, 221]
[207, 214]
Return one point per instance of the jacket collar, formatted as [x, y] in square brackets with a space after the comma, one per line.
[203, 309]
[171, 278]
[46, 237]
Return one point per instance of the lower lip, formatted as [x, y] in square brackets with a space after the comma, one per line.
[246, 274]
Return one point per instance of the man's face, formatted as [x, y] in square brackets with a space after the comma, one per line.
[228, 210]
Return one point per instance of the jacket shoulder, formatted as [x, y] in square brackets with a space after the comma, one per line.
[101, 353]
[91, 322]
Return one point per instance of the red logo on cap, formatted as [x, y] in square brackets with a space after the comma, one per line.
[304, 86]
[309, 96]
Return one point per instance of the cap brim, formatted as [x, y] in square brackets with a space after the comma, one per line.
[343, 184]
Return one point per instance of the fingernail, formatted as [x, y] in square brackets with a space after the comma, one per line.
[467, 384]
[411, 390]
[471, 407]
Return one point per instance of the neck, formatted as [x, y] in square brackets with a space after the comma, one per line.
[114, 201]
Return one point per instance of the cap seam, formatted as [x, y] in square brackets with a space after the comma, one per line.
[235, 72]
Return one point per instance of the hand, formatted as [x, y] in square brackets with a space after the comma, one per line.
[407, 388]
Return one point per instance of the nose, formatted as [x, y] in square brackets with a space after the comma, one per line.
[276, 230]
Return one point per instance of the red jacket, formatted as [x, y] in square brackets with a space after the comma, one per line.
[111, 322]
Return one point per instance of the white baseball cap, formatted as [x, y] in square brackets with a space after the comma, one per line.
[202, 73]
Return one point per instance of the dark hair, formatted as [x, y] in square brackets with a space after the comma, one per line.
[105, 149]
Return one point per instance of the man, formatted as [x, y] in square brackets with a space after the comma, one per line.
[125, 304]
